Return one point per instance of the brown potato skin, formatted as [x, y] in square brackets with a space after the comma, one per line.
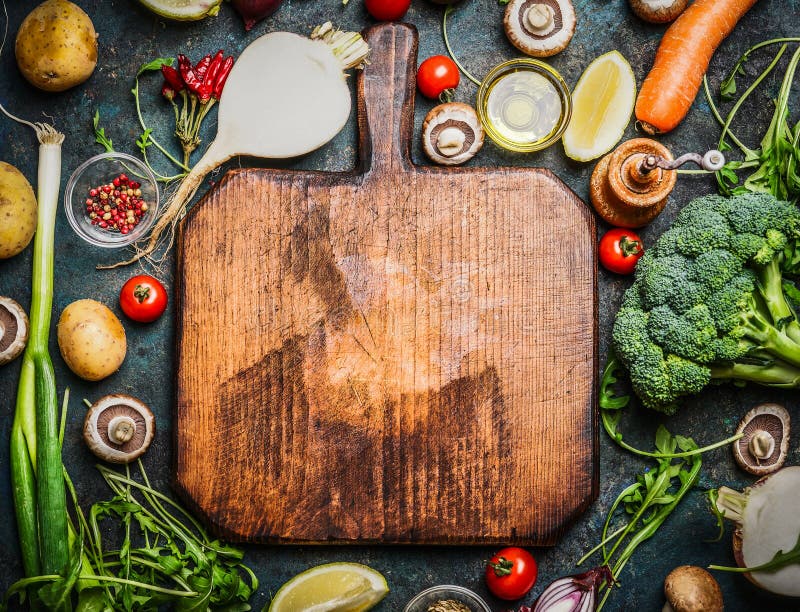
[91, 339]
[17, 211]
[56, 46]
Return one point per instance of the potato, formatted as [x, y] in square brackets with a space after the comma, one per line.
[56, 46]
[17, 211]
[91, 339]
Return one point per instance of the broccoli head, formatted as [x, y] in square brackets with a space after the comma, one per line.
[709, 301]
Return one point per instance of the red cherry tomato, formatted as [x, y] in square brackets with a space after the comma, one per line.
[143, 299]
[387, 10]
[436, 75]
[620, 249]
[511, 573]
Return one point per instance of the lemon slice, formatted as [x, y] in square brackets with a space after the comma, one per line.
[183, 10]
[602, 103]
[334, 587]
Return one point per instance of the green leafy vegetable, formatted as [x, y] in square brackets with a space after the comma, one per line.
[775, 165]
[646, 503]
[100, 134]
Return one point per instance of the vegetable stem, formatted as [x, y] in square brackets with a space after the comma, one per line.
[449, 9]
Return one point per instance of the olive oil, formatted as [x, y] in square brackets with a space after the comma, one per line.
[525, 108]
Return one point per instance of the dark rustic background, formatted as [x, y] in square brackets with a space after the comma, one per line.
[130, 36]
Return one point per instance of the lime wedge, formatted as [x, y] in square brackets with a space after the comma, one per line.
[334, 587]
[602, 103]
[183, 10]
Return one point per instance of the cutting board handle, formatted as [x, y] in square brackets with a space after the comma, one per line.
[386, 98]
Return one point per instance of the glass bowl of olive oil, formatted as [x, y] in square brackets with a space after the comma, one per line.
[524, 105]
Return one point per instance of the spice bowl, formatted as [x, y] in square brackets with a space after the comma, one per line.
[101, 170]
[524, 105]
[446, 593]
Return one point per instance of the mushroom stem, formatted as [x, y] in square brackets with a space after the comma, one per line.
[450, 141]
[539, 17]
[762, 444]
[121, 429]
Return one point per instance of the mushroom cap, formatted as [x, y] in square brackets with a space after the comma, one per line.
[773, 419]
[111, 410]
[689, 588]
[13, 330]
[658, 11]
[449, 116]
[542, 41]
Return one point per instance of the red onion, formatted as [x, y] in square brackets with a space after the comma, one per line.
[574, 593]
[253, 11]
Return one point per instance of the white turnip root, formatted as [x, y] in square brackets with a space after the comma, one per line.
[285, 96]
[768, 522]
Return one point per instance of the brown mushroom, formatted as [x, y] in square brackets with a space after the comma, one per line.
[689, 588]
[452, 134]
[13, 330]
[119, 428]
[658, 11]
[540, 28]
[765, 443]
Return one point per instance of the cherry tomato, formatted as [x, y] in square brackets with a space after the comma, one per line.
[620, 249]
[436, 75]
[387, 10]
[143, 298]
[511, 573]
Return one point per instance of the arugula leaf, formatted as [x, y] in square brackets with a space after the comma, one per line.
[144, 141]
[609, 399]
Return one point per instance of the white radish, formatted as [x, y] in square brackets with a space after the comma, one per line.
[769, 522]
[285, 96]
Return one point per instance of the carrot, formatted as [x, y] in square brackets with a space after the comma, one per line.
[682, 60]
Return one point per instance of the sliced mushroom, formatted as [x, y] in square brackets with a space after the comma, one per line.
[540, 28]
[13, 330]
[452, 134]
[658, 11]
[119, 428]
[765, 443]
[689, 588]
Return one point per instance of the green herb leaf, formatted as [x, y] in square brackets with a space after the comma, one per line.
[144, 141]
[100, 134]
[155, 65]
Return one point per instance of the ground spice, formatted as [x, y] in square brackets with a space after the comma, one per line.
[449, 605]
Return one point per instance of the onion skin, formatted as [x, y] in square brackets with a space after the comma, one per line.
[253, 11]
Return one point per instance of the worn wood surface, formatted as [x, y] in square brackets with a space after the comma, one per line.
[401, 354]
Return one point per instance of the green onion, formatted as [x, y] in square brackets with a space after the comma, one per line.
[36, 470]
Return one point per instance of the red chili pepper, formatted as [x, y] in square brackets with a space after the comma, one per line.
[188, 74]
[201, 67]
[222, 76]
[173, 78]
[167, 91]
[210, 77]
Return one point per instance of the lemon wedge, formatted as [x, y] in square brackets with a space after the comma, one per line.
[602, 103]
[333, 587]
[183, 10]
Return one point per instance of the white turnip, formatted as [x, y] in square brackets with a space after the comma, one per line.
[768, 525]
[286, 96]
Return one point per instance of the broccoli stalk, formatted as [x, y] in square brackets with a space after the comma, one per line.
[708, 301]
[775, 374]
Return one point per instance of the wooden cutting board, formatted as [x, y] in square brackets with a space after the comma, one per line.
[400, 354]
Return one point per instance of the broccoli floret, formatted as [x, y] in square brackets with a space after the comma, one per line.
[708, 301]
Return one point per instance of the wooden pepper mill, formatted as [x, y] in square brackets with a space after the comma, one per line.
[630, 185]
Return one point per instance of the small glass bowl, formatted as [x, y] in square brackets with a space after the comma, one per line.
[99, 170]
[428, 597]
[551, 76]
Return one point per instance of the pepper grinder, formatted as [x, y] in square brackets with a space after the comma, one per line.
[630, 185]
